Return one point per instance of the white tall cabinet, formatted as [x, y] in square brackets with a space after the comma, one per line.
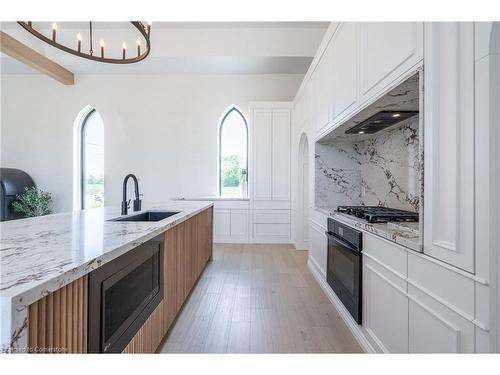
[271, 150]
[270, 171]
[262, 125]
[449, 143]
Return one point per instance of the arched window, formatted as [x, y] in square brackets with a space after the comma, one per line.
[233, 154]
[91, 160]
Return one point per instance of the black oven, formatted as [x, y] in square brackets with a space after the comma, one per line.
[122, 295]
[344, 265]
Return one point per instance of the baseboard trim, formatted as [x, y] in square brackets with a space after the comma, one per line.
[320, 277]
[301, 245]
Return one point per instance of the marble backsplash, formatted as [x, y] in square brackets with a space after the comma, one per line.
[382, 170]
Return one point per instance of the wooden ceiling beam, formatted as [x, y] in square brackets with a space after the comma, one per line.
[30, 57]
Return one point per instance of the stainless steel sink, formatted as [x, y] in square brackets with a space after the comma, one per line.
[147, 216]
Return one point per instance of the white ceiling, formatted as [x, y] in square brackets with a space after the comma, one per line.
[183, 47]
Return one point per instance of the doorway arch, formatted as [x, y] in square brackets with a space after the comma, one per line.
[303, 194]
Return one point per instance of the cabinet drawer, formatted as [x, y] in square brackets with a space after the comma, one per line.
[386, 253]
[271, 230]
[231, 204]
[445, 285]
[271, 217]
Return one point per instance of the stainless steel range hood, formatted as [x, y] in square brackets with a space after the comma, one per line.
[381, 121]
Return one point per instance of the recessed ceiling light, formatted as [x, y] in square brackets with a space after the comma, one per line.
[396, 115]
[361, 132]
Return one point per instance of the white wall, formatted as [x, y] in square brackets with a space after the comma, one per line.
[163, 128]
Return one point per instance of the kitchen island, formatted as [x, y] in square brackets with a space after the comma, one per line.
[40, 256]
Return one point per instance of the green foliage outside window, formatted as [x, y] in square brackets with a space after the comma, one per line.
[231, 171]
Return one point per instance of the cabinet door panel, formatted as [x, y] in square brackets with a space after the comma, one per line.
[344, 69]
[387, 50]
[449, 143]
[436, 328]
[222, 223]
[262, 140]
[323, 86]
[239, 224]
[430, 334]
[385, 309]
[281, 155]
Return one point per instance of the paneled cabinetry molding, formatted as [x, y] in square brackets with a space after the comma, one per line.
[449, 143]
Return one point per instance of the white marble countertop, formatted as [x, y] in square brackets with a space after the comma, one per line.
[41, 255]
[404, 234]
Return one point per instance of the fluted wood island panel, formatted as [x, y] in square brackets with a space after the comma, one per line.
[57, 323]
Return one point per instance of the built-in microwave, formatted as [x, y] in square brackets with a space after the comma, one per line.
[344, 268]
[122, 295]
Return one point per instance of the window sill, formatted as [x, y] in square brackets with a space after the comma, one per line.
[212, 198]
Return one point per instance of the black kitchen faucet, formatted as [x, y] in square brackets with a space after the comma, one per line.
[137, 201]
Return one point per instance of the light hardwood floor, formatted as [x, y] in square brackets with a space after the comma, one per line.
[258, 299]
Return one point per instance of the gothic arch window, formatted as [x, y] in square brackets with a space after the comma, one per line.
[91, 160]
[233, 154]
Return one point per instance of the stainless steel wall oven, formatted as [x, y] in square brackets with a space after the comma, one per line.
[344, 268]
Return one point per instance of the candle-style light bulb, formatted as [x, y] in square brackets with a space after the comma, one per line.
[102, 47]
[79, 39]
[124, 46]
[54, 31]
[138, 47]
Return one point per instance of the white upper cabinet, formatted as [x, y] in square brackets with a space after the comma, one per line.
[323, 89]
[449, 143]
[357, 64]
[281, 155]
[271, 154]
[344, 70]
[262, 150]
[387, 50]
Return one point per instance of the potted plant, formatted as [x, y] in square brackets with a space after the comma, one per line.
[33, 202]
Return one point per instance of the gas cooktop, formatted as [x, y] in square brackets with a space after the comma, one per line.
[375, 214]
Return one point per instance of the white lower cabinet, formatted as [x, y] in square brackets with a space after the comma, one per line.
[441, 308]
[230, 225]
[414, 304]
[385, 308]
[434, 328]
[318, 242]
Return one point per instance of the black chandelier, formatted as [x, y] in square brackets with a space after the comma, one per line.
[144, 32]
